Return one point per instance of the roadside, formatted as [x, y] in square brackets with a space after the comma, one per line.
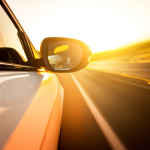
[139, 71]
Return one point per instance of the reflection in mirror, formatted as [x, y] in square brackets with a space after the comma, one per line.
[64, 55]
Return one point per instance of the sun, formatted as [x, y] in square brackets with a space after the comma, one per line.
[102, 30]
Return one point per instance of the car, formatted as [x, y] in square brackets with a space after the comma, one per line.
[31, 96]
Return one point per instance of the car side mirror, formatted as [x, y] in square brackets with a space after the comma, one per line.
[64, 54]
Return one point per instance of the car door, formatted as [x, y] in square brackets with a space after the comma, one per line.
[31, 99]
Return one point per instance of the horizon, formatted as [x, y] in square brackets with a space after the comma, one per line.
[128, 45]
[101, 24]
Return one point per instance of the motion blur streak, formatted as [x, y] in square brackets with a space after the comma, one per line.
[148, 81]
[142, 86]
[110, 135]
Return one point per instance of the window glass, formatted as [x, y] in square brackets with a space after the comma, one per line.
[11, 50]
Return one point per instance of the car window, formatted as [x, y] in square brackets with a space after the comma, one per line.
[11, 50]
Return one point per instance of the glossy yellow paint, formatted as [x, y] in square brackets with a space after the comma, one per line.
[61, 48]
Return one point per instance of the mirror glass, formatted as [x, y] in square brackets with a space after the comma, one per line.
[64, 55]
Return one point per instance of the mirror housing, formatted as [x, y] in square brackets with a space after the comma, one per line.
[64, 54]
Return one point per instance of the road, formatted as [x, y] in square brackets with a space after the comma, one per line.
[123, 107]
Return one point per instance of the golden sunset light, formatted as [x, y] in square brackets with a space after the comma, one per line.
[103, 25]
[74, 74]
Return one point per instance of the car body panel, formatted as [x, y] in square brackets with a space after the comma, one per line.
[31, 98]
[30, 110]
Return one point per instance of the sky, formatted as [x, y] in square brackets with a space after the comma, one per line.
[102, 24]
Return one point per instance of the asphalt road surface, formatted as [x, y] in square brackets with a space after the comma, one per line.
[104, 111]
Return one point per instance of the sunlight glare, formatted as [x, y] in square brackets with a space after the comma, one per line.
[103, 25]
[99, 34]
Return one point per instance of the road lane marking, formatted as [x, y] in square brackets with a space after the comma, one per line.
[135, 84]
[108, 132]
[148, 81]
